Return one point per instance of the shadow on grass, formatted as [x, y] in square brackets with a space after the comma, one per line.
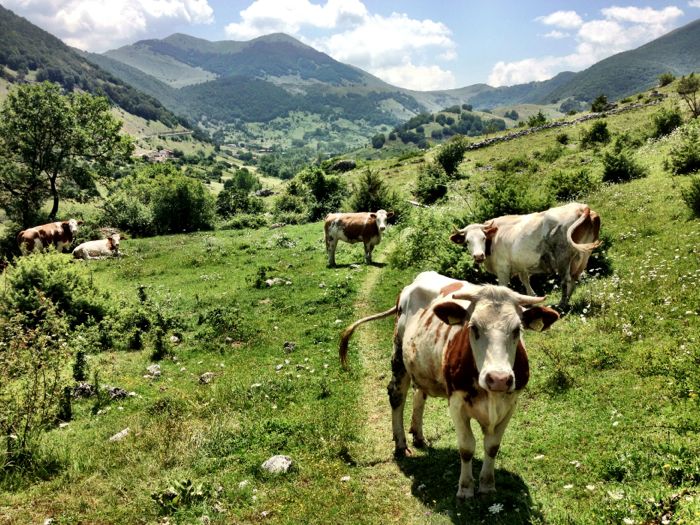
[435, 473]
[356, 264]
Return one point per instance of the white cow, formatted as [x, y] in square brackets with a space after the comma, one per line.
[99, 249]
[556, 241]
[362, 227]
[460, 341]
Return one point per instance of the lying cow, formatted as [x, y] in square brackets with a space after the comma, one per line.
[362, 227]
[461, 341]
[58, 234]
[98, 249]
[556, 241]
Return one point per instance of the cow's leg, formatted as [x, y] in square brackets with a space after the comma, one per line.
[397, 390]
[466, 444]
[525, 279]
[331, 243]
[417, 418]
[368, 253]
[492, 442]
[567, 288]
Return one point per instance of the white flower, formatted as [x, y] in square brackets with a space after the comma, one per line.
[496, 508]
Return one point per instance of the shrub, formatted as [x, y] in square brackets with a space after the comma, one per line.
[691, 196]
[245, 220]
[570, 185]
[508, 194]
[243, 180]
[537, 120]
[684, 156]
[234, 201]
[549, 155]
[372, 194]
[129, 214]
[431, 184]
[378, 140]
[620, 166]
[665, 121]
[599, 104]
[563, 139]
[451, 154]
[597, 134]
[33, 377]
[666, 78]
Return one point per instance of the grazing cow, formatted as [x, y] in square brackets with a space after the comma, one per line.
[556, 241]
[362, 227]
[59, 234]
[98, 249]
[461, 341]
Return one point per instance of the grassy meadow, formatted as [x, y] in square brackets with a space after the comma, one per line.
[605, 432]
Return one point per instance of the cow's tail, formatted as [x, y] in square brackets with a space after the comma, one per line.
[581, 247]
[347, 333]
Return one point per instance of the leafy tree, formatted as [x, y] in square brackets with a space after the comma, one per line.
[378, 140]
[666, 78]
[243, 180]
[48, 137]
[537, 120]
[451, 154]
[688, 88]
[232, 201]
[372, 194]
[599, 104]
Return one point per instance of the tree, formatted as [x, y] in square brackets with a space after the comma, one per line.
[372, 194]
[666, 78]
[49, 137]
[451, 154]
[688, 88]
[599, 104]
[378, 140]
[537, 120]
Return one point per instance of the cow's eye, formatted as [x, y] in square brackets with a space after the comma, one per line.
[475, 331]
[516, 333]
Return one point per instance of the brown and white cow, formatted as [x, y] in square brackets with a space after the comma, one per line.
[364, 227]
[461, 341]
[556, 241]
[98, 249]
[59, 234]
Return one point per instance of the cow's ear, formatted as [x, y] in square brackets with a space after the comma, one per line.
[373, 215]
[450, 312]
[389, 214]
[458, 237]
[490, 231]
[539, 318]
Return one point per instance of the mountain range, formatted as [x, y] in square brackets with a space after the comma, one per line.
[252, 90]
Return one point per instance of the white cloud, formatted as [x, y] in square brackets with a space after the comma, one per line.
[565, 19]
[620, 29]
[556, 34]
[97, 25]
[694, 3]
[396, 48]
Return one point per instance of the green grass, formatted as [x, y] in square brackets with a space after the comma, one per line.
[606, 431]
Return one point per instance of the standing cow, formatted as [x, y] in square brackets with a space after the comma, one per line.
[59, 234]
[461, 341]
[556, 241]
[362, 227]
[98, 249]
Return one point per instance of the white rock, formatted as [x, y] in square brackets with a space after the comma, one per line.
[120, 435]
[154, 370]
[278, 464]
[244, 484]
[174, 339]
[345, 479]
[206, 378]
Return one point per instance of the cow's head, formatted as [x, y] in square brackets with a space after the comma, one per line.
[494, 316]
[381, 216]
[113, 241]
[478, 238]
[73, 226]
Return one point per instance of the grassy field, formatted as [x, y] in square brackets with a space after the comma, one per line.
[606, 431]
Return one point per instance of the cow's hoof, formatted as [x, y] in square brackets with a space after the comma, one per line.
[402, 452]
[465, 493]
[419, 442]
[488, 489]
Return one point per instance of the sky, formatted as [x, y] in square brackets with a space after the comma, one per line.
[415, 44]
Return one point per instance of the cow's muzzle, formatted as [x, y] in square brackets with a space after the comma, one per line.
[479, 258]
[500, 381]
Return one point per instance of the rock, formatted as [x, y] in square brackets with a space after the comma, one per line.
[345, 479]
[120, 435]
[83, 390]
[116, 393]
[243, 484]
[275, 281]
[278, 464]
[48, 521]
[153, 370]
[174, 339]
[321, 285]
[277, 225]
[343, 165]
[204, 520]
[206, 378]
[265, 192]
[289, 346]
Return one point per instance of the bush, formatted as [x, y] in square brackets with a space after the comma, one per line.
[666, 78]
[243, 180]
[691, 196]
[234, 201]
[549, 155]
[378, 140]
[570, 185]
[665, 121]
[599, 104]
[597, 134]
[372, 194]
[129, 214]
[535, 121]
[619, 166]
[431, 184]
[508, 194]
[451, 154]
[563, 139]
[245, 220]
[684, 156]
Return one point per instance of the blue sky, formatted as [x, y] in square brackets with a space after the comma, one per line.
[436, 44]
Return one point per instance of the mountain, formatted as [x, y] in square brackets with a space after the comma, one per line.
[30, 52]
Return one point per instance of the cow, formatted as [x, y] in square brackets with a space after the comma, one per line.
[556, 241]
[362, 227]
[98, 249]
[59, 234]
[460, 341]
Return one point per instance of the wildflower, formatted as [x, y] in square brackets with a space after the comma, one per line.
[496, 508]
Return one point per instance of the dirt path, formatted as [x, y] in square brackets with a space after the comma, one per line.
[387, 488]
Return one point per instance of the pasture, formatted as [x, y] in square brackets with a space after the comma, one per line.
[605, 432]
